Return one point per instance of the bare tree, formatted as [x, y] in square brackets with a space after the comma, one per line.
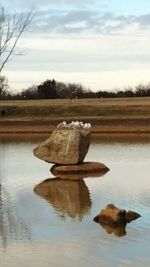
[3, 86]
[12, 27]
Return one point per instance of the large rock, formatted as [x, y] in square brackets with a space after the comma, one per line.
[80, 171]
[69, 198]
[115, 217]
[64, 146]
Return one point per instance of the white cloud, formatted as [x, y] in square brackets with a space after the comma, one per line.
[55, 20]
[85, 53]
[45, 3]
[94, 60]
[70, 39]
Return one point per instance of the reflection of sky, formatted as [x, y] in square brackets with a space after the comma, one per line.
[46, 255]
[127, 185]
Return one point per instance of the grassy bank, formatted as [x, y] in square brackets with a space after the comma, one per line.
[101, 108]
[106, 115]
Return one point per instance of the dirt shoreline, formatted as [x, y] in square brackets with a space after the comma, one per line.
[99, 126]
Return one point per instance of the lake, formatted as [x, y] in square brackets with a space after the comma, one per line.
[54, 226]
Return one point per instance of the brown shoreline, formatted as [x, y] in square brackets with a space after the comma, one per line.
[134, 126]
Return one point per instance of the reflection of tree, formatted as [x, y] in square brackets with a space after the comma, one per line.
[69, 198]
[11, 225]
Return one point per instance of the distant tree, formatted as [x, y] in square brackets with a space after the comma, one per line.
[30, 93]
[12, 27]
[76, 90]
[70, 90]
[62, 90]
[142, 90]
[89, 94]
[120, 93]
[3, 87]
[128, 92]
[105, 94]
[47, 89]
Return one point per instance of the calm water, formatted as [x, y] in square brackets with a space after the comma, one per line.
[51, 224]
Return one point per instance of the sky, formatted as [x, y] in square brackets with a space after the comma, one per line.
[102, 44]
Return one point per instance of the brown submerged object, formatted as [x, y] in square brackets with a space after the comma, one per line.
[115, 217]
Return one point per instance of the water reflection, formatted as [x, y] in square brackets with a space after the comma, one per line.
[57, 242]
[81, 175]
[11, 225]
[117, 231]
[69, 198]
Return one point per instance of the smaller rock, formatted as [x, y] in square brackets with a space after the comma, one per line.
[111, 215]
[131, 216]
[115, 217]
[80, 171]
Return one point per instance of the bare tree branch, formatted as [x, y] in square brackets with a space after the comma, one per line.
[11, 29]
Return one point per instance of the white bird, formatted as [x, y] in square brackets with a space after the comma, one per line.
[70, 125]
[74, 125]
[81, 124]
[87, 125]
[62, 125]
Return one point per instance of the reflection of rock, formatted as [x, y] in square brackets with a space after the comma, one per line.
[80, 176]
[64, 146]
[68, 197]
[118, 231]
[115, 217]
[74, 172]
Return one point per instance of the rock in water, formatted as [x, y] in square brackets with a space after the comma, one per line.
[111, 215]
[115, 217]
[64, 146]
[79, 171]
[132, 215]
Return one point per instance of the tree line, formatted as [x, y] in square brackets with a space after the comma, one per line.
[12, 26]
[51, 89]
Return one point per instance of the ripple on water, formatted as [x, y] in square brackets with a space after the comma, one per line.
[59, 222]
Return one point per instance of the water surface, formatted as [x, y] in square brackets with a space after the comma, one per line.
[51, 223]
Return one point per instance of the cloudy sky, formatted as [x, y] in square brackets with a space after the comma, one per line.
[103, 44]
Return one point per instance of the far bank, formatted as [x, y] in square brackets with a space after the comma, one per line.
[107, 116]
[99, 126]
